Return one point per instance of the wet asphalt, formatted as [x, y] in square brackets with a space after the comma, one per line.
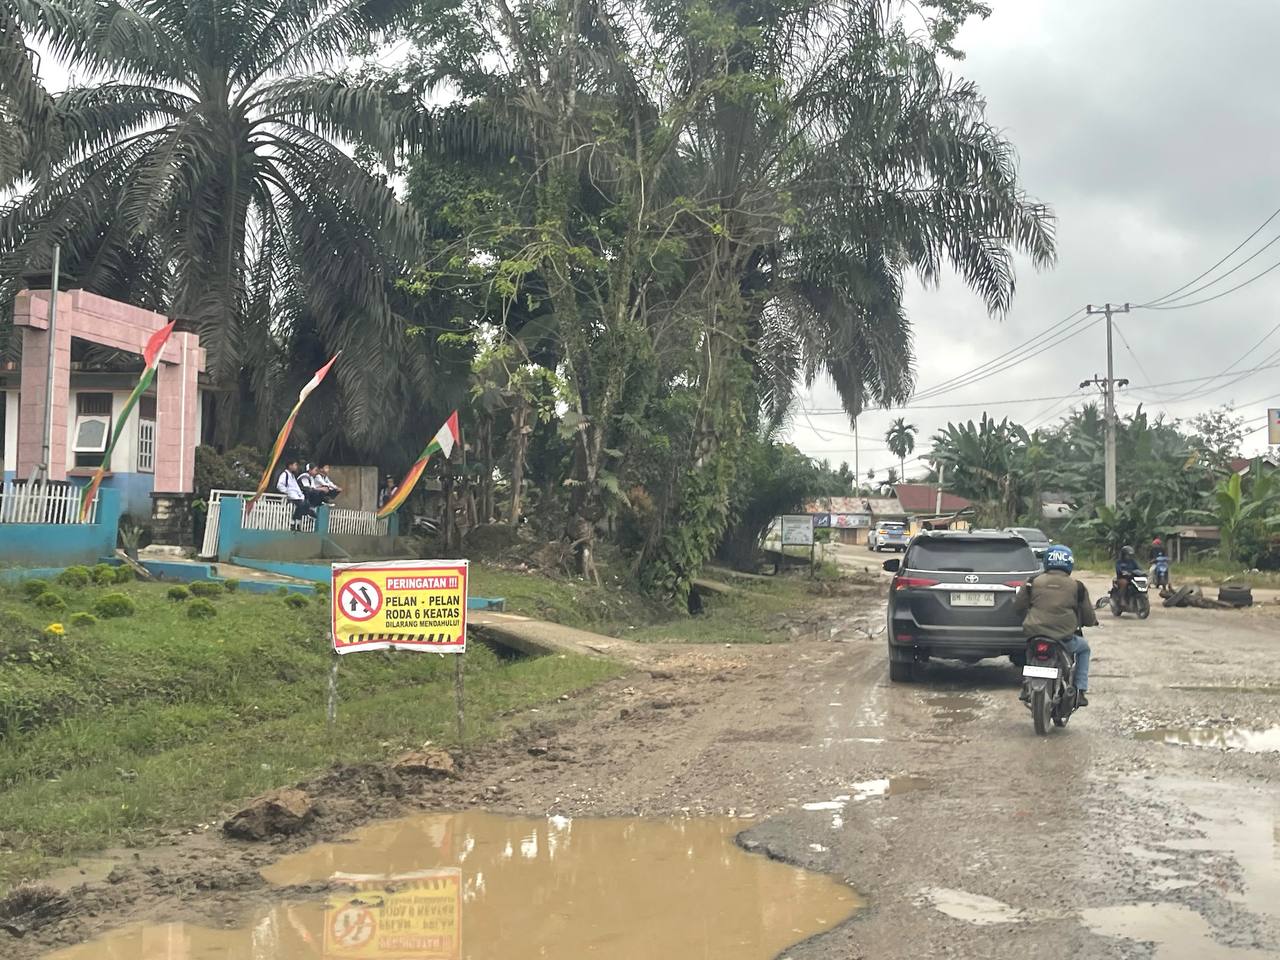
[1147, 828]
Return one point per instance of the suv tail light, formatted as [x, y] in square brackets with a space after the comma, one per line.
[1013, 583]
[903, 583]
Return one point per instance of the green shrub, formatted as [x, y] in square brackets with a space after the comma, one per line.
[33, 588]
[206, 588]
[231, 585]
[282, 591]
[201, 609]
[179, 593]
[77, 577]
[296, 600]
[83, 619]
[124, 573]
[50, 601]
[103, 574]
[322, 589]
[111, 605]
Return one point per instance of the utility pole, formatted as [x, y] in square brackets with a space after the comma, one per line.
[857, 474]
[1108, 387]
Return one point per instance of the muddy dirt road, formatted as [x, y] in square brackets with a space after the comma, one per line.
[965, 834]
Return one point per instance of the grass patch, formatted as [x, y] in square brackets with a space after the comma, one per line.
[155, 720]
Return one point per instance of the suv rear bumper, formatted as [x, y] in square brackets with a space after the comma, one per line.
[959, 644]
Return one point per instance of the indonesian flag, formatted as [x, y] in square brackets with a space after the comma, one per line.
[150, 361]
[443, 442]
[283, 437]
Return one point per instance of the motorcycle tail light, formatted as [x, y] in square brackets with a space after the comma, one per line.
[1044, 651]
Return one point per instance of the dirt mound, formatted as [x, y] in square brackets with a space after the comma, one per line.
[278, 812]
[30, 908]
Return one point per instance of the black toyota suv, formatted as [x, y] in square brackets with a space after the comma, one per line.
[952, 597]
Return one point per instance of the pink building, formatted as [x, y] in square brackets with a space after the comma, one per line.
[153, 465]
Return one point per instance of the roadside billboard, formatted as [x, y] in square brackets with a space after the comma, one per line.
[1273, 426]
[797, 530]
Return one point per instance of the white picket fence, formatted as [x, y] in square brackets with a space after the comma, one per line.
[274, 512]
[356, 523]
[43, 503]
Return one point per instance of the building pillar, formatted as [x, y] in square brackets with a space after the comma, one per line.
[177, 417]
[31, 313]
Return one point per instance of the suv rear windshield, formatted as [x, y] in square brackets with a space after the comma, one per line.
[1029, 533]
[971, 556]
[891, 525]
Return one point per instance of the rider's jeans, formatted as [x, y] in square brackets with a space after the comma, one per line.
[1080, 647]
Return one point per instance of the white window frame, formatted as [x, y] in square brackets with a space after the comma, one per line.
[146, 446]
[77, 447]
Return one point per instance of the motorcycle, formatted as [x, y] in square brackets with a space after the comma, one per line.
[1047, 683]
[1131, 597]
[1160, 574]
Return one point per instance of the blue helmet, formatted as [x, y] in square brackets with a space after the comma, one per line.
[1059, 557]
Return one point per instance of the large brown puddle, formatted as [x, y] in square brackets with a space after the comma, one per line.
[474, 886]
[1246, 739]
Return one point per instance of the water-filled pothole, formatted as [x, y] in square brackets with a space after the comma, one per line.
[474, 886]
[1247, 739]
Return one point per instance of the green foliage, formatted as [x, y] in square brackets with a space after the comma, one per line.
[201, 609]
[103, 574]
[322, 588]
[178, 593]
[235, 709]
[50, 601]
[76, 577]
[282, 591]
[125, 574]
[112, 605]
[83, 619]
[206, 588]
[231, 584]
[34, 587]
[1246, 511]
[296, 601]
[901, 440]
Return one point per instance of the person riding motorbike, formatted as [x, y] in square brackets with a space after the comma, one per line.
[1053, 604]
[1126, 568]
[1157, 549]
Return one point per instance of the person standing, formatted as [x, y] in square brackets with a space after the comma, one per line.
[287, 484]
[389, 489]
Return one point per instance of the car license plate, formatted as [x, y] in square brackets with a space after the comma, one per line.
[973, 599]
[1043, 673]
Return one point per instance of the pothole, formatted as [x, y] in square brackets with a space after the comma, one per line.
[519, 889]
[1245, 739]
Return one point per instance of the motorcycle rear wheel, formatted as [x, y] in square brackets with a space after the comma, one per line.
[1041, 708]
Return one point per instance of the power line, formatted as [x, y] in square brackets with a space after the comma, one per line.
[1058, 338]
[1233, 252]
[1216, 296]
[1218, 279]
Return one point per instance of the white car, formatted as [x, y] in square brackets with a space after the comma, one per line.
[889, 535]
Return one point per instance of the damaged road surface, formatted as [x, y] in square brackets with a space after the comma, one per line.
[783, 800]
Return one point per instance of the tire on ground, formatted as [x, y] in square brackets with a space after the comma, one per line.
[1178, 598]
[1236, 594]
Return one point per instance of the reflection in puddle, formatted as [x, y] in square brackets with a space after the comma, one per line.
[954, 709]
[866, 790]
[1248, 739]
[1178, 932]
[971, 907]
[474, 886]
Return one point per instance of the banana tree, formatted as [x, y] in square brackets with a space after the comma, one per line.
[1239, 506]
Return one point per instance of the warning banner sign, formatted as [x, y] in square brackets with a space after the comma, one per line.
[405, 604]
[414, 916]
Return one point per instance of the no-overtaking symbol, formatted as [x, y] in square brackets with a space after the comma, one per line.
[360, 599]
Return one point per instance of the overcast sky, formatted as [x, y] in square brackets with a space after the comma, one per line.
[1152, 127]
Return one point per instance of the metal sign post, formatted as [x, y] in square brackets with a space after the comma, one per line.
[400, 605]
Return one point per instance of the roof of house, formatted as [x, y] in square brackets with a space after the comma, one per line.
[923, 498]
[837, 505]
[1243, 464]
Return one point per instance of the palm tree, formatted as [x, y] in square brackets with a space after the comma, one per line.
[901, 439]
[26, 109]
[217, 133]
